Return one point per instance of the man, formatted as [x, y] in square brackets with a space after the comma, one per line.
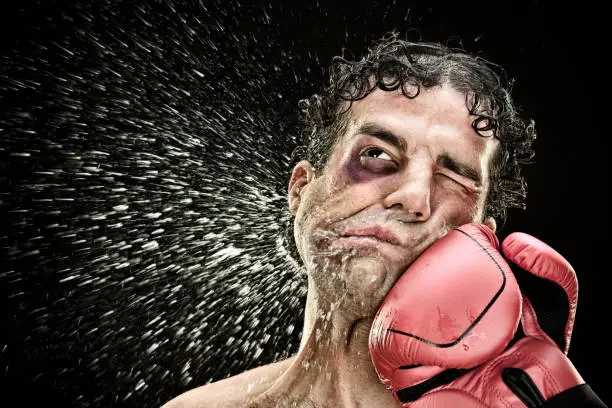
[404, 145]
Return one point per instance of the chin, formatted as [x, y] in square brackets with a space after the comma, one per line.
[356, 306]
[365, 278]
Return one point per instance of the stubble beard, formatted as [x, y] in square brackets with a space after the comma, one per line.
[346, 279]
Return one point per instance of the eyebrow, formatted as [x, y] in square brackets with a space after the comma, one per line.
[445, 160]
[374, 130]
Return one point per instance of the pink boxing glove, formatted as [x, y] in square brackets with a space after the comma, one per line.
[524, 368]
[456, 307]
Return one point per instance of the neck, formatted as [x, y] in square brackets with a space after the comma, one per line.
[333, 366]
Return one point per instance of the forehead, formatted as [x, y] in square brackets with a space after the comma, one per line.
[437, 121]
[439, 108]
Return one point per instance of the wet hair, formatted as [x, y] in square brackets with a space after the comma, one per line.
[393, 64]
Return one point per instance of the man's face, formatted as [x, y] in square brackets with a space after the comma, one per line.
[405, 172]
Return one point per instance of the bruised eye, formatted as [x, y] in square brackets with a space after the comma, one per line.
[376, 153]
[377, 160]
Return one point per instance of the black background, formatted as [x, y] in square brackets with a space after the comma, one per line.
[546, 47]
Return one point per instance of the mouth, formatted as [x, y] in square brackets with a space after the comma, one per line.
[374, 234]
[355, 241]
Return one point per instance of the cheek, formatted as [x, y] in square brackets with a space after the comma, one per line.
[330, 200]
[353, 172]
[456, 209]
[311, 211]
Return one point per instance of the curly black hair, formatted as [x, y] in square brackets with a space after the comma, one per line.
[392, 64]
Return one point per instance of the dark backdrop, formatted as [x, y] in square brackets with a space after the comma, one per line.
[271, 55]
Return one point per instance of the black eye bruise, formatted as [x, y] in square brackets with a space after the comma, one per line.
[380, 166]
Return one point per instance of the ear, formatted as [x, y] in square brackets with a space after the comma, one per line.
[490, 222]
[302, 175]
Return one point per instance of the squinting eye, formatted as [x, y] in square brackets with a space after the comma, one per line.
[376, 153]
[447, 177]
[454, 180]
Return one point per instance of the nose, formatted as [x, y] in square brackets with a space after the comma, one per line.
[412, 194]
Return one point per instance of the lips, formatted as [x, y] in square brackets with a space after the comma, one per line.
[376, 232]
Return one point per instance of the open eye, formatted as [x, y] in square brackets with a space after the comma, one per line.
[377, 160]
[376, 153]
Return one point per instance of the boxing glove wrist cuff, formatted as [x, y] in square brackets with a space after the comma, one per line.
[579, 396]
[415, 392]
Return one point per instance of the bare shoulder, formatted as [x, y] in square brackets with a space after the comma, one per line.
[233, 391]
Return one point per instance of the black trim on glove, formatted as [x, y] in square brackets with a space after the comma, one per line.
[415, 392]
[580, 396]
[521, 384]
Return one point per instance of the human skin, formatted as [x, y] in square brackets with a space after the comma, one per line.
[404, 192]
